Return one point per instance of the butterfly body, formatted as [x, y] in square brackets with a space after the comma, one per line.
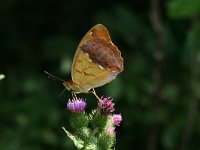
[75, 88]
[97, 61]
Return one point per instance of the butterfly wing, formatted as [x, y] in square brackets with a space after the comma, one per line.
[97, 60]
[98, 31]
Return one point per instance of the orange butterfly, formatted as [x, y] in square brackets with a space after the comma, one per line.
[96, 62]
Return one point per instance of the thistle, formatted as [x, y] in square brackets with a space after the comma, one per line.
[76, 105]
[96, 130]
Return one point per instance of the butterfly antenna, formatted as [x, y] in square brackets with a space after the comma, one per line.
[94, 92]
[54, 77]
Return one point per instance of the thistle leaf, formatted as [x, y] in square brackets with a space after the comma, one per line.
[77, 142]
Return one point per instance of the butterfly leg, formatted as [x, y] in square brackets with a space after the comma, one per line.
[93, 91]
[74, 95]
[61, 93]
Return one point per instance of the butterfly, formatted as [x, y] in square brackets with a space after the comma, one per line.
[96, 62]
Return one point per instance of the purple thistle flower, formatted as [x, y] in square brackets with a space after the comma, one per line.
[106, 106]
[76, 105]
[116, 119]
[110, 131]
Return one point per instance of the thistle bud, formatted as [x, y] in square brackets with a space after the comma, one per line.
[116, 119]
[106, 106]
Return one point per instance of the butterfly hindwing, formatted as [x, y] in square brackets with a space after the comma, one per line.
[97, 60]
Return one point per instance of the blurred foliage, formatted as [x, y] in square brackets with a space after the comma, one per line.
[184, 8]
[43, 35]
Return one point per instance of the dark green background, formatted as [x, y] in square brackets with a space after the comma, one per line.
[158, 98]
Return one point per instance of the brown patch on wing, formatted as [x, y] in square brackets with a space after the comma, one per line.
[100, 32]
[104, 53]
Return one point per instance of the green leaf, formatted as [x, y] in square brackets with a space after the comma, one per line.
[77, 142]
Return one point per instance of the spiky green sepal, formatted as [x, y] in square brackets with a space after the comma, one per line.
[79, 120]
